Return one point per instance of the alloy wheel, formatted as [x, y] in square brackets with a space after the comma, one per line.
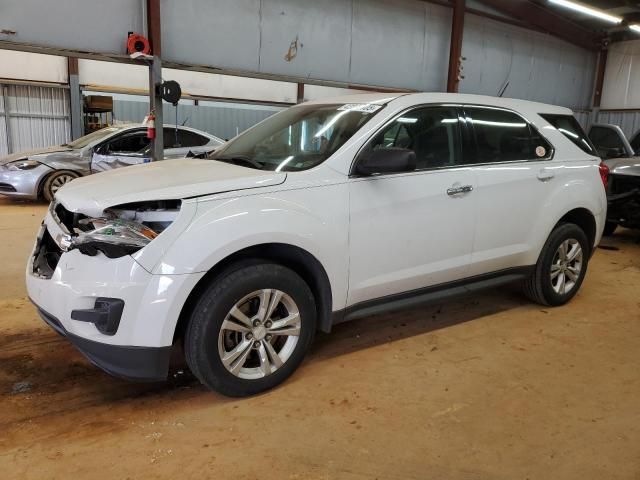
[259, 334]
[566, 266]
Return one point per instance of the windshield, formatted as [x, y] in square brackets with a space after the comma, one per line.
[298, 138]
[92, 137]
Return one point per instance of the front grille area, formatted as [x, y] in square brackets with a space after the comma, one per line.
[5, 187]
[46, 256]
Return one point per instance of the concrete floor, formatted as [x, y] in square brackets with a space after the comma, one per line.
[489, 387]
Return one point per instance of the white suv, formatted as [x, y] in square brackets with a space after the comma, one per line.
[325, 212]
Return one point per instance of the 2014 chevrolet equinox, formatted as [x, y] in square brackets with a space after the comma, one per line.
[325, 212]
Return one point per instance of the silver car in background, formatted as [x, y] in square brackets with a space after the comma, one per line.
[40, 173]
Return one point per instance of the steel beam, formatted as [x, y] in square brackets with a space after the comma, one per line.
[455, 48]
[547, 21]
[300, 95]
[599, 84]
[155, 77]
[75, 98]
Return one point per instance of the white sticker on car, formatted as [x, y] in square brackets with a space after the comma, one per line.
[541, 151]
[361, 107]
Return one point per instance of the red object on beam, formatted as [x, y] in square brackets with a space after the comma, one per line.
[138, 43]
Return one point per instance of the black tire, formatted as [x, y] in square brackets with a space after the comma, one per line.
[538, 287]
[54, 181]
[609, 228]
[225, 290]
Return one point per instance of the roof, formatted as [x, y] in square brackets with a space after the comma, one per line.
[453, 98]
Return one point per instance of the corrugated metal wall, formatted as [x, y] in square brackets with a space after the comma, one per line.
[225, 120]
[34, 117]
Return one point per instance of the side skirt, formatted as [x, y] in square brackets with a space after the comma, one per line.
[431, 294]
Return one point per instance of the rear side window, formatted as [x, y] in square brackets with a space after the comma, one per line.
[607, 141]
[504, 136]
[570, 128]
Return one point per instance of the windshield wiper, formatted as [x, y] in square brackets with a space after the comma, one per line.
[239, 160]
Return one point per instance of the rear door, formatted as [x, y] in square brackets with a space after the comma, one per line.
[514, 174]
[415, 229]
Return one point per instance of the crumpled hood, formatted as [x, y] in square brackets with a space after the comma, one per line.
[37, 154]
[163, 180]
[624, 166]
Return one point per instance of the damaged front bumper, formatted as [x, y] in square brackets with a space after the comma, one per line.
[117, 313]
[623, 201]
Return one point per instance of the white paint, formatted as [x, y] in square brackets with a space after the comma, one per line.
[621, 88]
[318, 92]
[34, 67]
[374, 236]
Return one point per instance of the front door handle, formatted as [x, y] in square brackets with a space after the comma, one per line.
[546, 174]
[459, 190]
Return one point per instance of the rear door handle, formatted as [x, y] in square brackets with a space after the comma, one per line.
[459, 190]
[546, 174]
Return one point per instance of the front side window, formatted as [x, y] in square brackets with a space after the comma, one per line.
[570, 128]
[607, 141]
[503, 136]
[298, 138]
[128, 143]
[432, 133]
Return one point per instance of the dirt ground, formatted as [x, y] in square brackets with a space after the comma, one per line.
[488, 387]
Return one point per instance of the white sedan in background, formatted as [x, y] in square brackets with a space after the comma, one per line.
[40, 173]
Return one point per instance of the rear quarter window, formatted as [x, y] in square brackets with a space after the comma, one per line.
[570, 128]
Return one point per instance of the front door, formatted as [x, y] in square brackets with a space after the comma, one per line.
[413, 230]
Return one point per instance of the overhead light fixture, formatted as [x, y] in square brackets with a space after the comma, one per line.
[579, 7]
[635, 28]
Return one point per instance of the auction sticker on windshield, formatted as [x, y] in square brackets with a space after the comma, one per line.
[361, 107]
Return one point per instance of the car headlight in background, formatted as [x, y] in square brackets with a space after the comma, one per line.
[24, 164]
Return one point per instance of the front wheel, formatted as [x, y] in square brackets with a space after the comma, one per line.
[561, 267]
[250, 329]
[55, 182]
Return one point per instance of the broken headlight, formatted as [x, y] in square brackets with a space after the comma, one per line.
[123, 230]
[24, 164]
[114, 237]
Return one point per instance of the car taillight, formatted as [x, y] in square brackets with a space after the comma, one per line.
[604, 173]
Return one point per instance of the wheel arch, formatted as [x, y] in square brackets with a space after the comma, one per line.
[584, 219]
[43, 180]
[297, 259]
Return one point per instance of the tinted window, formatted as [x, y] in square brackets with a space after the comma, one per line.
[607, 141]
[178, 138]
[433, 133]
[129, 143]
[571, 129]
[503, 136]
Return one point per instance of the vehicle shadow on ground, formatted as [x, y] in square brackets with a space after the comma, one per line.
[40, 367]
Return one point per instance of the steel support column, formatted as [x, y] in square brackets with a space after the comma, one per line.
[300, 94]
[455, 49]
[155, 76]
[602, 67]
[75, 98]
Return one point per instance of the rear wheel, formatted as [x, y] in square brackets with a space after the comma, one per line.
[561, 267]
[250, 329]
[55, 181]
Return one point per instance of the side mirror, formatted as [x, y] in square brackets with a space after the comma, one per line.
[387, 160]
